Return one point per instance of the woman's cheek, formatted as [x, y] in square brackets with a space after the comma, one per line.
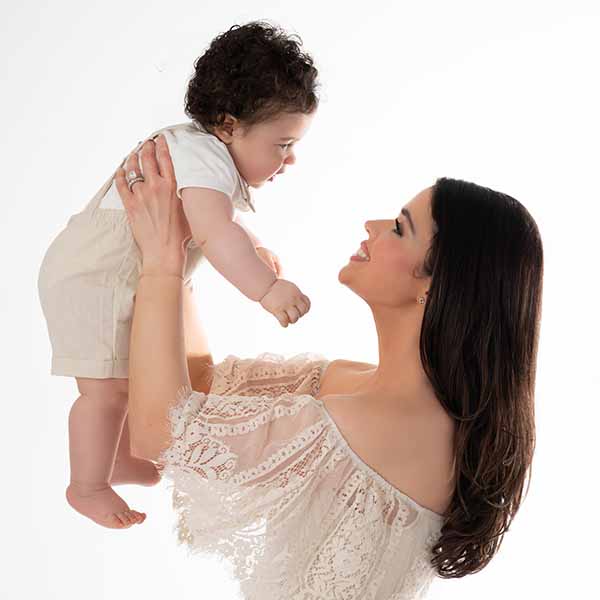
[393, 258]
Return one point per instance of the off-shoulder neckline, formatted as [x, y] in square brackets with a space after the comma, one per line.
[359, 461]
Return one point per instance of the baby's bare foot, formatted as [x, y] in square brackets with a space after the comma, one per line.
[101, 504]
[135, 470]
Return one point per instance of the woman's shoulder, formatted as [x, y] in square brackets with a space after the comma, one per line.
[341, 365]
[352, 365]
[341, 372]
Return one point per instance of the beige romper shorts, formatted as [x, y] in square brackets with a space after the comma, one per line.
[86, 283]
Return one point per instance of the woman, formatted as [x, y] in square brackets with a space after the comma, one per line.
[341, 479]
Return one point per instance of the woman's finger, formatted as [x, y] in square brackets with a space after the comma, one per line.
[132, 166]
[149, 164]
[278, 267]
[165, 164]
[123, 189]
[271, 265]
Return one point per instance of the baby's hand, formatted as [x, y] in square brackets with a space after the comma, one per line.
[270, 259]
[286, 302]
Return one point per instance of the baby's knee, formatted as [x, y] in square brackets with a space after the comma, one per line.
[108, 391]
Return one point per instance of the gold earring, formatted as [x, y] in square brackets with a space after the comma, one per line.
[421, 300]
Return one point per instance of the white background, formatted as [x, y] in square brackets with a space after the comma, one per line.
[501, 93]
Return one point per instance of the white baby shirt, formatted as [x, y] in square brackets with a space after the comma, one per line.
[200, 159]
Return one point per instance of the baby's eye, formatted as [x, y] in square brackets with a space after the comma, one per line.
[398, 229]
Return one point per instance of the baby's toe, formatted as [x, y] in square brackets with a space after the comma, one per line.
[132, 517]
[124, 518]
[139, 517]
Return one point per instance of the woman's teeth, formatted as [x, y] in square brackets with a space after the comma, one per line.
[360, 253]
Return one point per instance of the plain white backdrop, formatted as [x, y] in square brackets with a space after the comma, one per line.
[504, 94]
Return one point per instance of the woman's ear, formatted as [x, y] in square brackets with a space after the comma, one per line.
[225, 131]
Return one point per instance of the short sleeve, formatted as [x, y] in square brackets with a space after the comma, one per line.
[200, 160]
[268, 375]
[231, 449]
[245, 396]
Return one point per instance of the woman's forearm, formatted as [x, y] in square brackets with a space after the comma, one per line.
[157, 362]
[199, 358]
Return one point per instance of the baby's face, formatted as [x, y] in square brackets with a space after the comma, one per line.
[264, 150]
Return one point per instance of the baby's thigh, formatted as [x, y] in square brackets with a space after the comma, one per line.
[111, 390]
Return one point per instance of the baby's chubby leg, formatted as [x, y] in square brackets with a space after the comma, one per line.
[95, 423]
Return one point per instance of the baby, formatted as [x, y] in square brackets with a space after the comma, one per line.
[251, 98]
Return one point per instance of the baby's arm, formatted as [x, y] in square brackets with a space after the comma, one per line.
[255, 240]
[225, 243]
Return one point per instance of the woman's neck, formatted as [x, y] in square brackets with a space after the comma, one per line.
[399, 377]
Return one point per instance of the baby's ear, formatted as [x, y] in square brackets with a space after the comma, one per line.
[226, 129]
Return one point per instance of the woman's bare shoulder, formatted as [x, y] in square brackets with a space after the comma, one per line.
[339, 375]
[351, 365]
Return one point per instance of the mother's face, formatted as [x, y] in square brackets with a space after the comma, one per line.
[391, 275]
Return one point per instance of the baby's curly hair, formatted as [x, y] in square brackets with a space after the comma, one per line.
[253, 72]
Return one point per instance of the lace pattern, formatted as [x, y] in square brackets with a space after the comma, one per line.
[262, 480]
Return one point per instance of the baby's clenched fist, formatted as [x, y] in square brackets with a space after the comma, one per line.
[285, 301]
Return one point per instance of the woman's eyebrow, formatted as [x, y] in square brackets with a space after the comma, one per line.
[405, 211]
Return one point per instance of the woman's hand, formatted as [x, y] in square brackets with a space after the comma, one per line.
[154, 211]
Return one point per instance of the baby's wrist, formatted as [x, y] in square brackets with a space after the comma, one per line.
[270, 289]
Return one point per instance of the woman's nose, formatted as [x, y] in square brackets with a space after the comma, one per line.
[375, 227]
[290, 159]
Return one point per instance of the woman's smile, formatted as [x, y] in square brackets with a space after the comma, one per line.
[362, 254]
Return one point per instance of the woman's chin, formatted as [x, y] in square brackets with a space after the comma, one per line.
[344, 273]
[349, 280]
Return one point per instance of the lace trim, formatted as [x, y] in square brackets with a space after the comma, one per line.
[268, 374]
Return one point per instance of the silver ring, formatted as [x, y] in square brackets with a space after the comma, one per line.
[133, 181]
[131, 175]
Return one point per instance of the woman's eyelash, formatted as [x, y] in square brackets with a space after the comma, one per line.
[284, 146]
[398, 229]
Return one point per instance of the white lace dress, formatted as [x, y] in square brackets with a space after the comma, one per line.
[263, 477]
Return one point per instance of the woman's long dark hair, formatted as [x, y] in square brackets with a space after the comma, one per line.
[478, 346]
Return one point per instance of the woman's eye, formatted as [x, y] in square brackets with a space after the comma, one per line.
[398, 229]
[284, 146]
